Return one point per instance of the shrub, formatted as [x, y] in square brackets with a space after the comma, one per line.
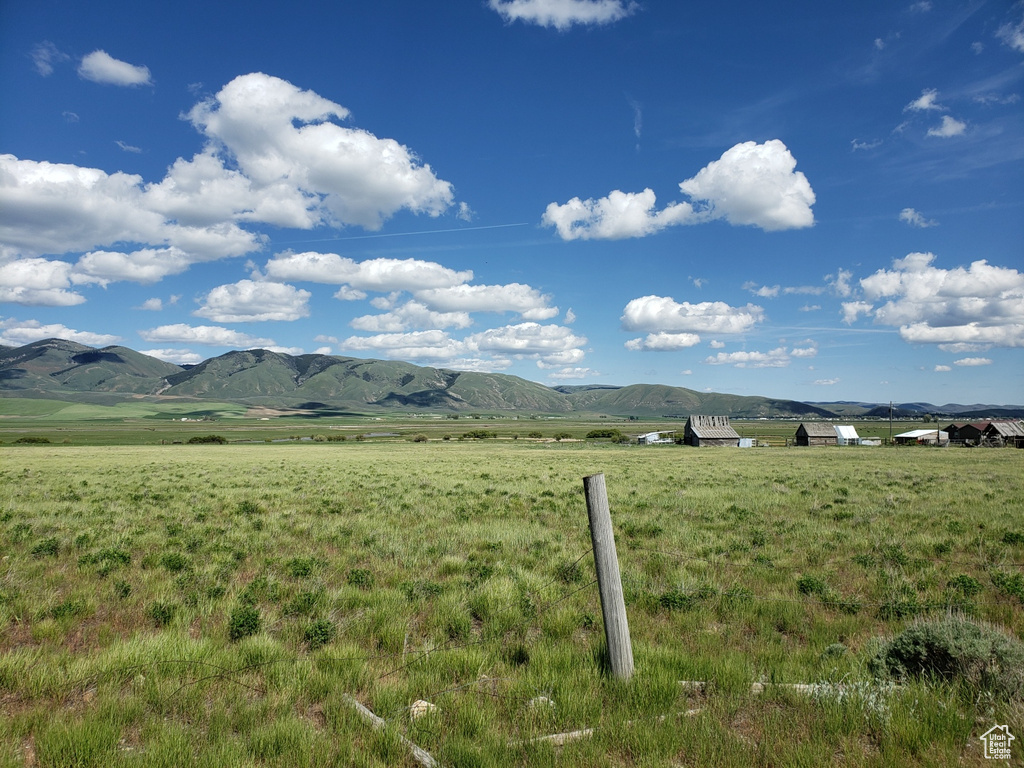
[811, 585]
[69, 608]
[677, 599]
[966, 585]
[48, 546]
[244, 621]
[613, 434]
[303, 604]
[300, 567]
[160, 613]
[360, 577]
[419, 438]
[535, 435]
[559, 436]
[319, 633]
[175, 562]
[953, 648]
[32, 440]
[1011, 584]
[200, 439]
[414, 590]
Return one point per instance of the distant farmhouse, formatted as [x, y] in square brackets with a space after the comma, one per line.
[820, 433]
[705, 431]
[995, 433]
[816, 433]
[967, 434]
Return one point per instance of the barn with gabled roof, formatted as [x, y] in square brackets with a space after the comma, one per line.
[1004, 433]
[816, 433]
[705, 431]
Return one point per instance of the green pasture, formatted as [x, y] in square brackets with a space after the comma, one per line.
[155, 422]
[218, 604]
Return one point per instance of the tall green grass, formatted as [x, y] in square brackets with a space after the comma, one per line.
[215, 605]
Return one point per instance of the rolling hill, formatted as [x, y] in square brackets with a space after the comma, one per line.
[64, 370]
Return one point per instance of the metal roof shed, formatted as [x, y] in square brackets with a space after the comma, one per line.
[922, 437]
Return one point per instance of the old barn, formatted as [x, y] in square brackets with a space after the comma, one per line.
[710, 431]
[1004, 433]
[816, 433]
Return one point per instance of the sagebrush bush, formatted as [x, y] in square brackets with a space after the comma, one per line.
[244, 621]
[319, 633]
[953, 648]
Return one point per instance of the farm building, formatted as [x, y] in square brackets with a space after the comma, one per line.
[846, 435]
[816, 433]
[704, 431]
[922, 437]
[968, 434]
[655, 438]
[1004, 433]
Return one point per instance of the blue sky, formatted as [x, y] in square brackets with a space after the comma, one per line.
[820, 201]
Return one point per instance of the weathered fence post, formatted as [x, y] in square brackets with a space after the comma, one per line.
[609, 582]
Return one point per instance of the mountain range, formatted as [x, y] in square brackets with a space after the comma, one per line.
[58, 369]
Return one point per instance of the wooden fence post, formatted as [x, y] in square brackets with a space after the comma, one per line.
[609, 582]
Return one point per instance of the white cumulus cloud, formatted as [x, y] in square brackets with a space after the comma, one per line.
[662, 313]
[979, 304]
[412, 314]
[562, 14]
[176, 356]
[530, 303]
[101, 67]
[254, 301]
[372, 274]
[948, 128]
[775, 358]
[926, 102]
[280, 134]
[60, 208]
[971, 362]
[15, 333]
[38, 282]
[750, 184]
[916, 219]
[181, 333]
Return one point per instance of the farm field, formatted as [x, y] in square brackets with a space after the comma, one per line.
[167, 605]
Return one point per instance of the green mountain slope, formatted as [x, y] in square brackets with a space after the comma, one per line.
[62, 370]
[57, 366]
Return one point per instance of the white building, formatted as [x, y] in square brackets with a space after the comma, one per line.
[654, 438]
[847, 435]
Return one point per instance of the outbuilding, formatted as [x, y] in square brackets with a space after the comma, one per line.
[1004, 433]
[656, 438]
[816, 433]
[846, 435]
[713, 431]
[922, 437]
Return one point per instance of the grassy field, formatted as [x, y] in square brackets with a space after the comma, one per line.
[167, 605]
